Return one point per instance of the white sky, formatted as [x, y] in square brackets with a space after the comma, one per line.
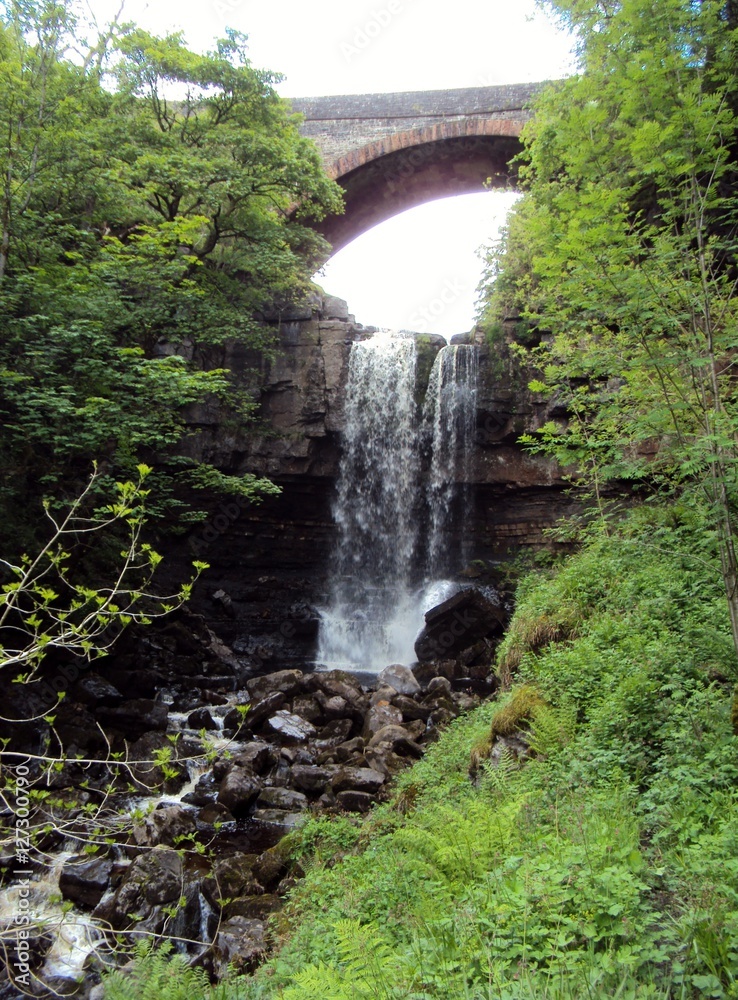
[421, 263]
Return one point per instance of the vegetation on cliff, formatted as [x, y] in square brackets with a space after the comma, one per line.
[621, 258]
[145, 218]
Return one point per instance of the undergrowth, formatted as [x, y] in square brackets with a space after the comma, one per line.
[603, 866]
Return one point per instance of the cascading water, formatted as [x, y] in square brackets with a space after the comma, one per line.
[384, 574]
[449, 418]
[376, 507]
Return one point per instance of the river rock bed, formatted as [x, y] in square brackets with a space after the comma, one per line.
[177, 829]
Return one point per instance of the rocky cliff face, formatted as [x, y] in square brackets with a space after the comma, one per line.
[270, 562]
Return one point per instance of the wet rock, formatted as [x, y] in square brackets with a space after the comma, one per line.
[143, 754]
[165, 825]
[281, 798]
[380, 715]
[260, 711]
[345, 751]
[288, 682]
[411, 709]
[383, 693]
[231, 877]
[466, 702]
[441, 717]
[253, 907]
[204, 793]
[283, 821]
[342, 684]
[271, 867]
[334, 707]
[37, 946]
[439, 684]
[83, 881]
[308, 708]
[136, 717]
[240, 944]
[459, 623]
[336, 731]
[361, 779]
[310, 778]
[152, 880]
[201, 719]
[400, 678]
[257, 757]
[353, 801]
[195, 920]
[225, 601]
[386, 761]
[94, 690]
[398, 740]
[291, 727]
[237, 791]
[424, 673]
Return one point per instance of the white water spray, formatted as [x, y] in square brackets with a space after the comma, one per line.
[379, 590]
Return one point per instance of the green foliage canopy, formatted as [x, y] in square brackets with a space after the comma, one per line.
[149, 210]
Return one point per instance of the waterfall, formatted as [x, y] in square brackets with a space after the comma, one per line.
[384, 572]
[449, 418]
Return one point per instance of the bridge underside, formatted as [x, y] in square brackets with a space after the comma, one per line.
[388, 184]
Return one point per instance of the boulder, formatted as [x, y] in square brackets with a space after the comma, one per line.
[336, 731]
[204, 793]
[361, 779]
[438, 685]
[342, 684]
[237, 791]
[281, 798]
[280, 820]
[398, 740]
[135, 717]
[260, 711]
[257, 757]
[165, 825]
[201, 719]
[459, 623]
[93, 690]
[291, 727]
[333, 707]
[353, 801]
[307, 707]
[383, 693]
[400, 678]
[232, 876]
[240, 945]
[253, 907]
[289, 682]
[271, 867]
[410, 708]
[380, 715]
[153, 879]
[310, 778]
[84, 881]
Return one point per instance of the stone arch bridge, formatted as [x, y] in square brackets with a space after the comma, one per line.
[391, 152]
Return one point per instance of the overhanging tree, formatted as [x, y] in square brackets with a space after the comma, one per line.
[625, 251]
[131, 219]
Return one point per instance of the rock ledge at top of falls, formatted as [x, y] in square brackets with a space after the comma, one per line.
[300, 391]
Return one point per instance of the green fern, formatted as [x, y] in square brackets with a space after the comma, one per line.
[551, 730]
[368, 969]
[157, 975]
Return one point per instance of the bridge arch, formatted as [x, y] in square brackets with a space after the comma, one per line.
[392, 152]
